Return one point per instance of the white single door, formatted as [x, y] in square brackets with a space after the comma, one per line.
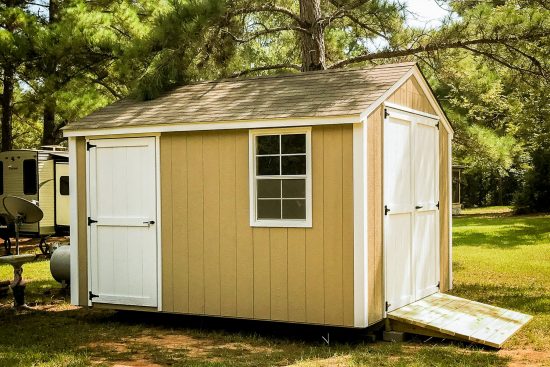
[399, 212]
[425, 234]
[123, 230]
[410, 208]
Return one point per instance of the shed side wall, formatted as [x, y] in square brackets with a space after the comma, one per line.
[82, 222]
[215, 263]
[410, 95]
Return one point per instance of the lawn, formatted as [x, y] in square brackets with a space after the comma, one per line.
[498, 259]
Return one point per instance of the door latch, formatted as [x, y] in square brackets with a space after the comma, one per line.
[150, 222]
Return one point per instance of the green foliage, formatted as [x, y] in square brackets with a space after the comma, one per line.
[535, 193]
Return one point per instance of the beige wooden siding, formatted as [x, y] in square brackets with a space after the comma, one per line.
[412, 96]
[82, 222]
[214, 263]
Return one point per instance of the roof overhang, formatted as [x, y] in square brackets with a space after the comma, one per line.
[217, 125]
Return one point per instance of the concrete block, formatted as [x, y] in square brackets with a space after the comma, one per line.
[393, 336]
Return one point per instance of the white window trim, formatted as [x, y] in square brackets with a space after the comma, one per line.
[285, 223]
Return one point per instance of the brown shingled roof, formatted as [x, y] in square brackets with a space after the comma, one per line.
[313, 94]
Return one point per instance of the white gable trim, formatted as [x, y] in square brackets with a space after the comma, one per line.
[221, 125]
[414, 72]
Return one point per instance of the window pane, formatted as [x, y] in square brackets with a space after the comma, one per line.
[294, 143]
[29, 177]
[294, 165]
[269, 209]
[267, 144]
[269, 188]
[268, 166]
[294, 189]
[64, 185]
[294, 209]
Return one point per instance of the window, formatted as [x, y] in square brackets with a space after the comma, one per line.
[30, 183]
[280, 178]
[64, 185]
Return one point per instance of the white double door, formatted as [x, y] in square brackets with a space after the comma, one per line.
[123, 221]
[411, 220]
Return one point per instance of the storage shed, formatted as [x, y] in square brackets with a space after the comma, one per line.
[320, 198]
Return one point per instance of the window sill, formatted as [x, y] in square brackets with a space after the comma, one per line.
[281, 224]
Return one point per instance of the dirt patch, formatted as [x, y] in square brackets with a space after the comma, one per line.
[526, 357]
[337, 361]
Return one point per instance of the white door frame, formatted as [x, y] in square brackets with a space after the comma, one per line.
[415, 117]
[158, 210]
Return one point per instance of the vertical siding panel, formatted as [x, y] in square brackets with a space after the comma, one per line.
[166, 217]
[297, 274]
[211, 179]
[347, 221]
[245, 245]
[179, 227]
[279, 273]
[334, 313]
[228, 225]
[195, 223]
[375, 225]
[315, 294]
[262, 279]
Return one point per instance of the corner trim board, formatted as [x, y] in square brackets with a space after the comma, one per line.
[73, 195]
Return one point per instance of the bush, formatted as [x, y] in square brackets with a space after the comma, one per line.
[535, 194]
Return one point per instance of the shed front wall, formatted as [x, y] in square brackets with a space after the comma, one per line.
[215, 263]
[409, 95]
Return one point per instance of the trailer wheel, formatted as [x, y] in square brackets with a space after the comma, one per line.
[44, 248]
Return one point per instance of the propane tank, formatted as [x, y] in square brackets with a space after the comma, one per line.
[60, 264]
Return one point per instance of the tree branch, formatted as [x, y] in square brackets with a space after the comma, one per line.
[264, 32]
[267, 8]
[267, 67]
[429, 48]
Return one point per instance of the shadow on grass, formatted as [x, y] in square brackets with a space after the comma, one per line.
[505, 233]
[516, 298]
[76, 337]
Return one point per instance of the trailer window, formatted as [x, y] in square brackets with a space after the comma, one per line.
[1, 178]
[64, 185]
[30, 182]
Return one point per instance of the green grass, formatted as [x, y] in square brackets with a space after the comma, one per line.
[498, 259]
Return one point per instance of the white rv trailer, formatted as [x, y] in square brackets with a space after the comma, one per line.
[41, 176]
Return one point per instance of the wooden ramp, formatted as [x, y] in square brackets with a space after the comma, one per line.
[445, 316]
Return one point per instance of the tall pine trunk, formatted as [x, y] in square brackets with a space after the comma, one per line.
[7, 108]
[312, 44]
[49, 133]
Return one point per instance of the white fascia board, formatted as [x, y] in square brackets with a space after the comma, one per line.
[221, 125]
[73, 198]
[414, 72]
[360, 229]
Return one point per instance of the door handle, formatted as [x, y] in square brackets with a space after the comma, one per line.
[419, 207]
[149, 222]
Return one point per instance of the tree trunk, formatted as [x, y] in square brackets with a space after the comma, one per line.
[313, 44]
[7, 108]
[49, 134]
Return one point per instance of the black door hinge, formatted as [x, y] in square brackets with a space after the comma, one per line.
[437, 205]
[386, 113]
[91, 221]
[437, 125]
[439, 285]
[89, 146]
[386, 210]
[387, 306]
[91, 296]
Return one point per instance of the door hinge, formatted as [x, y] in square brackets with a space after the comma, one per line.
[386, 210]
[91, 221]
[387, 306]
[89, 146]
[91, 296]
[437, 125]
[439, 285]
[386, 113]
[437, 205]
